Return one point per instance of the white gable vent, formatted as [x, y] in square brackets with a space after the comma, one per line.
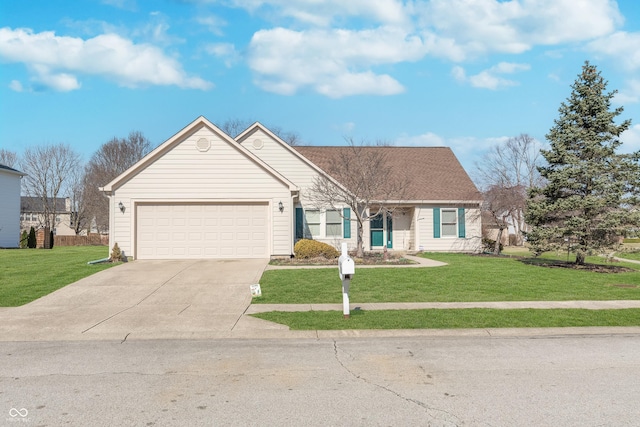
[258, 144]
[203, 144]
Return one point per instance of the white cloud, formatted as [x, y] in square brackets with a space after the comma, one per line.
[631, 139]
[622, 46]
[122, 4]
[332, 62]
[491, 77]
[225, 51]
[55, 61]
[428, 139]
[630, 94]
[347, 127]
[324, 13]
[467, 149]
[478, 27]
[215, 24]
[16, 86]
[337, 43]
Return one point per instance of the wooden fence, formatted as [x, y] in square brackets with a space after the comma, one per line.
[90, 240]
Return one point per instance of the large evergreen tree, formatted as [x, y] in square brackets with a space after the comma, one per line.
[590, 197]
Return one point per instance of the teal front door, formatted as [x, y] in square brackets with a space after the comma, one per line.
[389, 231]
[377, 230]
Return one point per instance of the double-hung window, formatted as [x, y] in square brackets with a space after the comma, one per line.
[449, 223]
[313, 221]
[333, 226]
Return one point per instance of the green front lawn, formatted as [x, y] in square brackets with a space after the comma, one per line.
[453, 318]
[466, 278]
[28, 274]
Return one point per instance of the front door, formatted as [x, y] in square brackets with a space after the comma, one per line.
[377, 230]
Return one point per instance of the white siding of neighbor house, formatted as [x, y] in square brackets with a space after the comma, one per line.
[9, 210]
[223, 174]
[425, 241]
[295, 170]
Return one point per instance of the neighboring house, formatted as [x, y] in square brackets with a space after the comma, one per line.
[32, 215]
[202, 194]
[10, 207]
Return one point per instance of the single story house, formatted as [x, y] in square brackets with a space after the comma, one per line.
[204, 194]
[10, 206]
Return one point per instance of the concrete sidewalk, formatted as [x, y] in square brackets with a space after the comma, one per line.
[589, 305]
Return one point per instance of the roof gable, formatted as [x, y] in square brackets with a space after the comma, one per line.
[179, 137]
[431, 173]
[11, 171]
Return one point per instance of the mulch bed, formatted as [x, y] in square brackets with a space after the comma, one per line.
[369, 259]
[596, 268]
[549, 263]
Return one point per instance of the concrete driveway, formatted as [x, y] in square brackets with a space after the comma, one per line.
[143, 300]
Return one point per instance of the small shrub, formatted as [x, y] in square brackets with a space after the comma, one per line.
[24, 238]
[32, 242]
[306, 248]
[488, 245]
[116, 253]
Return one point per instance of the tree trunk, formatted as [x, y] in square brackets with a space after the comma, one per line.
[496, 245]
[580, 257]
[360, 243]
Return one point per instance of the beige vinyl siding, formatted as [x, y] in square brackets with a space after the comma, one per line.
[186, 175]
[425, 241]
[295, 170]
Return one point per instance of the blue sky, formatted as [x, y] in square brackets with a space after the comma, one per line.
[460, 73]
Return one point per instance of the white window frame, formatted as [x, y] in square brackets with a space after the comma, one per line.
[309, 224]
[443, 223]
[322, 224]
[339, 222]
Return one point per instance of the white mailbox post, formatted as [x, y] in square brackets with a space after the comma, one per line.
[346, 269]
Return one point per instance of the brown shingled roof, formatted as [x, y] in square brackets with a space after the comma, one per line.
[431, 173]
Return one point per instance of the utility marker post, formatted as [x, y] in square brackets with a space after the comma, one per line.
[346, 270]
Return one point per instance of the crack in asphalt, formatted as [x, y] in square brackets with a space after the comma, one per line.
[440, 414]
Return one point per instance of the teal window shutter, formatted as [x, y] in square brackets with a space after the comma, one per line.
[299, 223]
[346, 223]
[461, 225]
[436, 223]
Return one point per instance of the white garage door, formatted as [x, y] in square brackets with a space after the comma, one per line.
[176, 231]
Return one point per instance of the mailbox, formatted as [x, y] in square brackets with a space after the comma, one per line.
[346, 267]
[346, 270]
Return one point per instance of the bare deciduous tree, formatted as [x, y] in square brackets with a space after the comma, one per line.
[48, 169]
[79, 221]
[8, 158]
[512, 165]
[360, 178]
[234, 127]
[503, 204]
[113, 158]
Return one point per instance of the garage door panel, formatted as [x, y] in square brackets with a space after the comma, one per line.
[166, 231]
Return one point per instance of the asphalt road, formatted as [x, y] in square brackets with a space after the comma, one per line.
[440, 381]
